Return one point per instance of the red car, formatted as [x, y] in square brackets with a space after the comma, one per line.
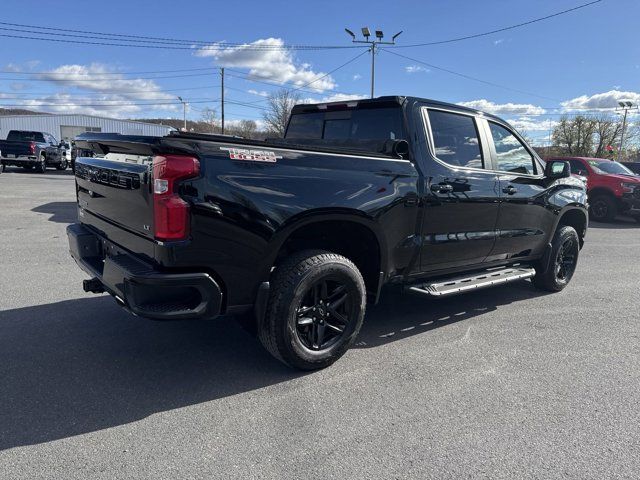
[613, 189]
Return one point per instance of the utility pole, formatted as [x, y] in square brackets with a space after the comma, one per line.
[366, 33]
[625, 106]
[184, 112]
[222, 99]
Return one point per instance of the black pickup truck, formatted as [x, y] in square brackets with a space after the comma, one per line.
[28, 149]
[303, 231]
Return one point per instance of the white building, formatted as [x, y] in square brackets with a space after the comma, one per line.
[67, 127]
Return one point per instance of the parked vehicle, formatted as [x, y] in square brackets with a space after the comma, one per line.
[633, 166]
[613, 189]
[78, 152]
[30, 150]
[435, 198]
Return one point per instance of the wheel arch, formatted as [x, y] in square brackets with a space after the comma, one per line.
[346, 232]
[576, 218]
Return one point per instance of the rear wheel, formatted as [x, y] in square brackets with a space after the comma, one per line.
[603, 208]
[565, 249]
[42, 166]
[62, 165]
[315, 311]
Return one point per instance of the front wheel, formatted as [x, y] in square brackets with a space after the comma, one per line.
[315, 311]
[42, 166]
[565, 249]
[62, 165]
[603, 208]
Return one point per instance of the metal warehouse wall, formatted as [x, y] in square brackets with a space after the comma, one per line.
[52, 123]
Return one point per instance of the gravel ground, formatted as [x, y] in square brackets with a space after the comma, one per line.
[503, 383]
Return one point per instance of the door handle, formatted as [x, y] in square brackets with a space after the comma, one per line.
[441, 188]
[510, 190]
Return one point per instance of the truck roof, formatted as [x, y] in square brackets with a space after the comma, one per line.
[385, 102]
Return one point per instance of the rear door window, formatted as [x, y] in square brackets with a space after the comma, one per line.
[455, 139]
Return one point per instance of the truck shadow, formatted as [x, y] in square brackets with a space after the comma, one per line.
[83, 365]
[401, 315]
[61, 212]
[616, 224]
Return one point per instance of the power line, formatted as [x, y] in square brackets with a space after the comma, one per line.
[144, 42]
[109, 73]
[468, 77]
[498, 30]
[119, 92]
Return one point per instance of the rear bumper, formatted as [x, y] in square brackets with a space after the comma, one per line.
[138, 286]
[20, 161]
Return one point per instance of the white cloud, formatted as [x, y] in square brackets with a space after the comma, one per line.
[260, 93]
[65, 103]
[272, 62]
[356, 77]
[608, 99]
[337, 97]
[415, 69]
[99, 78]
[524, 124]
[116, 95]
[498, 41]
[504, 108]
[16, 67]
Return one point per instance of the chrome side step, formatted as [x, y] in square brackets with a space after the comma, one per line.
[488, 278]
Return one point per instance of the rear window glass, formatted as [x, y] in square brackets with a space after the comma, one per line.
[17, 136]
[366, 124]
[455, 139]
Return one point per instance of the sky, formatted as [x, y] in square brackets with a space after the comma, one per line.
[577, 62]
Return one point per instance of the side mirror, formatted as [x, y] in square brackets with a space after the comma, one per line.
[557, 169]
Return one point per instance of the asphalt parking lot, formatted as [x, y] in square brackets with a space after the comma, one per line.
[503, 383]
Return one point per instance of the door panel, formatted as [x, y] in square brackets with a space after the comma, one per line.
[461, 202]
[523, 219]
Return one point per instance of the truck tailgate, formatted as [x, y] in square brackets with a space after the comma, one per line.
[118, 190]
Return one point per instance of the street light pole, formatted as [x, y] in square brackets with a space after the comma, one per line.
[222, 99]
[366, 33]
[624, 105]
[184, 112]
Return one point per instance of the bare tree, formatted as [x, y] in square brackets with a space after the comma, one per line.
[279, 110]
[210, 116]
[247, 128]
[608, 132]
[575, 135]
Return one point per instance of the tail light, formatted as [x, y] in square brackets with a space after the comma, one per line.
[32, 148]
[170, 211]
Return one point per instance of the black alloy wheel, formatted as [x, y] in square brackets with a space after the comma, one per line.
[316, 307]
[324, 314]
[556, 273]
[566, 260]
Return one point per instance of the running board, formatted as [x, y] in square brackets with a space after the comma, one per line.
[487, 278]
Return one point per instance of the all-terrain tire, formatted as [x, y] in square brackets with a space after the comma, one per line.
[602, 208]
[565, 249]
[62, 165]
[42, 166]
[291, 282]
